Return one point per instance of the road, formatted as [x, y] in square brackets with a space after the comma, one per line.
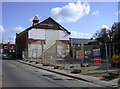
[15, 74]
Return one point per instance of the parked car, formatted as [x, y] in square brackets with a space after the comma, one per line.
[5, 56]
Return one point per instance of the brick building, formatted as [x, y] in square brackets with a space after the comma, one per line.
[8, 50]
[42, 37]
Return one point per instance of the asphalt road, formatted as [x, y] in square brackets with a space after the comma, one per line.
[15, 74]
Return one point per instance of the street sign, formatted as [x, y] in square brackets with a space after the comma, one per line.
[97, 61]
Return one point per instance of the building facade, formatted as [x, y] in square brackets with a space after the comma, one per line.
[45, 37]
[8, 50]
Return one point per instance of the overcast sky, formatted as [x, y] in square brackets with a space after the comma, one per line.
[82, 19]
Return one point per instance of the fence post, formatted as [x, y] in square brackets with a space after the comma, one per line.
[73, 53]
[43, 50]
[113, 49]
[73, 56]
[82, 48]
[106, 59]
[110, 52]
[56, 54]
[36, 55]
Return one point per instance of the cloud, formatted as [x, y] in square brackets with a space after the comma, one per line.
[78, 35]
[10, 34]
[10, 39]
[105, 26]
[95, 13]
[31, 19]
[1, 29]
[14, 30]
[70, 12]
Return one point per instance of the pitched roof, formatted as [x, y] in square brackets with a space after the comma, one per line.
[48, 23]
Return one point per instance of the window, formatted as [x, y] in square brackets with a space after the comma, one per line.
[50, 25]
[5, 47]
[13, 50]
[12, 47]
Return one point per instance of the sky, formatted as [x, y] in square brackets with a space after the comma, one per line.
[82, 19]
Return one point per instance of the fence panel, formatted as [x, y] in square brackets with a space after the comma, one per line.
[94, 60]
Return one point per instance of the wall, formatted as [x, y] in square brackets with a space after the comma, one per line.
[36, 33]
[21, 43]
[51, 37]
[63, 36]
[62, 49]
[48, 34]
[35, 46]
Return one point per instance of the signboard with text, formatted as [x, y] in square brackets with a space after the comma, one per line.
[87, 54]
[97, 61]
[80, 54]
[96, 52]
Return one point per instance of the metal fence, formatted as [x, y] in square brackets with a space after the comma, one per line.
[95, 60]
[91, 59]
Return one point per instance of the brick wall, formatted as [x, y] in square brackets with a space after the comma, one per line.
[21, 43]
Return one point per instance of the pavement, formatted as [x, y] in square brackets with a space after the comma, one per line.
[95, 80]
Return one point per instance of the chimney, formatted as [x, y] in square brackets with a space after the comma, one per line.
[35, 20]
